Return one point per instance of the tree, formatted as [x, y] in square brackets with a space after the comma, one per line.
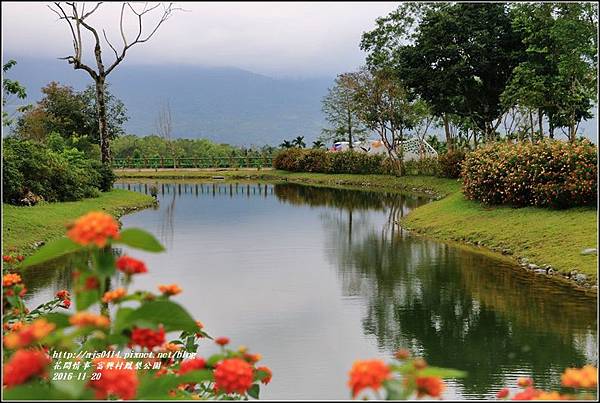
[387, 108]
[72, 114]
[76, 17]
[317, 144]
[116, 113]
[164, 127]
[299, 142]
[286, 144]
[458, 59]
[10, 88]
[557, 77]
[340, 109]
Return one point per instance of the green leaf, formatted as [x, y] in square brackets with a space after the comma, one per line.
[85, 299]
[214, 359]
[196, 376]
[152, 387]
[170, 314]
[51, 250]
[254, 391]
[34, 391]
[74, 387]
[122, 319]
[105, 263]
[442, 372]
[61, 320]
[139, 239]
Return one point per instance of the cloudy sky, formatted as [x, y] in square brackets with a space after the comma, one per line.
[279, 39]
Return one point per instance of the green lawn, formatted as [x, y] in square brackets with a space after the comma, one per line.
[543, 236]
[23, 226]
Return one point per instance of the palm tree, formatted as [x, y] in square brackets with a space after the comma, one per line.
[299, 142]
[318, 144]
[286, 144]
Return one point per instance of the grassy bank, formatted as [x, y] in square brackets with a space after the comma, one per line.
[430, 185]
[25, 226]
[543, 236]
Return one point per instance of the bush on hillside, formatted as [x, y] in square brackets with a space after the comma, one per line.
[450, 163]
[34, 170]
[546, 174]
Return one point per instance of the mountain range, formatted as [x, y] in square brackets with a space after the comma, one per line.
[227, 105]
[224, 104]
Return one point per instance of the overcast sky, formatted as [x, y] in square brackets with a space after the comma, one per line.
[280, 39]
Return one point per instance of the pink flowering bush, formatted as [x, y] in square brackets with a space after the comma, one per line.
[548, 173]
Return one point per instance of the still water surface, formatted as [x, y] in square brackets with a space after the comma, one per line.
[314, 278]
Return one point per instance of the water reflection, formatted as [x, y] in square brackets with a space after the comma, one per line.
[329, 275]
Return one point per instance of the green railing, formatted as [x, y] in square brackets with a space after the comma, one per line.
[207, 162]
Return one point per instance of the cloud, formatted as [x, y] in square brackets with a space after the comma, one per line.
[302, 39]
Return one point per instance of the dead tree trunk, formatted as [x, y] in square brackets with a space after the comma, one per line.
[102, 122]
[75, 16]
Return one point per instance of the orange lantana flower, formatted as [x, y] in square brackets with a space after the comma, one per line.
[430, 386]
[24, 365]
[115, 379]
[113, 296]
[368, 374]
[89, 319]
[94, 228]
[170, 289]
[233, 375]
[10, 279]
[26, 334]
[586, 377]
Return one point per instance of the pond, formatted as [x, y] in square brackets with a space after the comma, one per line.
[315, 278]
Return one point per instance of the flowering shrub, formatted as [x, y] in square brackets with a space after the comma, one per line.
[450, 163]
[53, 354]
[349, 162]
[546, 174]
[409, 377]
[346, 162]
[413, 377]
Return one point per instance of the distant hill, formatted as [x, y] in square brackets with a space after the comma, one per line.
[227, 105]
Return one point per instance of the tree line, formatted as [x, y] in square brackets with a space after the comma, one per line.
[480, 71]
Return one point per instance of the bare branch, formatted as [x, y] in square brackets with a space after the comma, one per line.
[91, 12]
[167, 11]
[110, 44]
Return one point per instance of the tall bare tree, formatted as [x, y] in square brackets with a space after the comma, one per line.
[164, 127]
[77, 19]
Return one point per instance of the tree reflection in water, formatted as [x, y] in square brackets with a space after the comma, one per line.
[456, 307]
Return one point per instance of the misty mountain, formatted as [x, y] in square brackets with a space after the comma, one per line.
[227, 105]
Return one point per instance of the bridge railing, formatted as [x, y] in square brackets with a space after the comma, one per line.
[191, 162]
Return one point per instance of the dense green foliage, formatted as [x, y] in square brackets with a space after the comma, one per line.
[55, 172]
[547, 173]
[347, 162]
[71, 113]
[450, 163]
[479, 65]
[428, 166]
[154, 146]
[9, 88]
